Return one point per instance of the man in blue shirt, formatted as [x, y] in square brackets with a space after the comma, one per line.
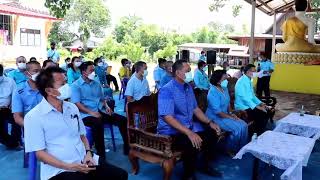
[18, 75]
[26, 98]
[203, 57]
[138, 85]
[159, 71]
[200, 78]
[167, 77]
[176, 107]
[88, 96]
[263, 83]
[53, 54]
[246, 100]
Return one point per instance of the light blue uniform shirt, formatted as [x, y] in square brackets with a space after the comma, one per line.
[53, 54]
[201, 80]
[137, 88]
[157, 74]
[73, 75]
[23, 100]
[7, 88]
[88, 94]
[266, 66]
[245, 97]
[101, 73]
[165, 79]
[19, 77]
[217, 102]
[203, 58]
[57, 133]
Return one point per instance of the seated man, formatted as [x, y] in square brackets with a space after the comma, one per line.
[176, 106]
[19, 75]
[7, 88]
[246, 100]
[138, 85]
[26, 98]
[167, 77]
[159, 71]
[87, 94]
[55, 131]
[200, 78]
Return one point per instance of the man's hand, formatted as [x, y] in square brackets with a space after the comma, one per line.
[262, 108]
[88, 160]
[215, 127]
[234, 117]
[96, 114]
[79, 168]
[109, 111]
[195, 139]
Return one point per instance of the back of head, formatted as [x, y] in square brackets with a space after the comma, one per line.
[247, 68]
[46, 62]
[138, 66]
[45, 79]
[301, 5]
[161, 61]
[178, 65]
[201, 64]
[33, 59]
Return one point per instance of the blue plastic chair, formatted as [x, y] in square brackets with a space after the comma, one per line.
[90, 137]
[32, 166]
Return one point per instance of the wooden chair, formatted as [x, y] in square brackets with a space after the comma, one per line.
[144, 141]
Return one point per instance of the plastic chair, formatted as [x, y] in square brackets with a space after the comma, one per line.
[32, 166]
[90, 137]
[124, 82]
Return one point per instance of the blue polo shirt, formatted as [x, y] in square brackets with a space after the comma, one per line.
[53, 54]
[101, 73]
[203, 58]
[137, 88]
[201, 80]
[24, 99]
[88, 94]
[73, 75]
[19, 77]
[157, 74]
[245, 97]
[165, 79]
[177, 100]
[266, 65]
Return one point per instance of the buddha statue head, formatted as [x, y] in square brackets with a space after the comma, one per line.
[301, 5]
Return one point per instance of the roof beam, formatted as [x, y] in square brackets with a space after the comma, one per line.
[265, 4]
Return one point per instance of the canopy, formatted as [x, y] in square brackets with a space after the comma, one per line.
[273, 6]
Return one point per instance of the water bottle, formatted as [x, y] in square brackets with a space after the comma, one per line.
[254, 137]
[302, 111]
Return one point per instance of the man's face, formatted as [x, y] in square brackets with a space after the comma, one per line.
[33, 69]
[169, 67]
[53, 46]
[21, 60]
[250, 72]
[181, 74]
[59, 79]
[89, 70]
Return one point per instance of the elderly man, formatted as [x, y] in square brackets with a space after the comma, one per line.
[7, 88]
[55, 131]
[18, 75]
[177, 106]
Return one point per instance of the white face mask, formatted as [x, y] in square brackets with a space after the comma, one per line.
[65, 92]
[77, 64]
[145, 73]
[188, 77]
[34, 76]
[92, 75]
[255, 75]
[22, 65]
[100, 64]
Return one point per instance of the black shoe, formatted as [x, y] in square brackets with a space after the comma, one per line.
[211, 172]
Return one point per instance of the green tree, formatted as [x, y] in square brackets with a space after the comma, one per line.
[167, 52]
[59, 33]
[127, 26]
[216, 5]
[58, 8]
[132, 50]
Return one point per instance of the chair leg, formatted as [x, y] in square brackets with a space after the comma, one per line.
[32, 166]
[134, 163]
[112, 137]
[167, 166]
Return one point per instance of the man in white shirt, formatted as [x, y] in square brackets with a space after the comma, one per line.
[7, 87]
[55, 131]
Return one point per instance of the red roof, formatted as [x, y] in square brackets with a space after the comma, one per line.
[18, 9]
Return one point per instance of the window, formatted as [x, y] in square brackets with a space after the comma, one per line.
[5, 30]
[30, 37]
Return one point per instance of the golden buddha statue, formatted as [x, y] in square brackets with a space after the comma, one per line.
[294, 32]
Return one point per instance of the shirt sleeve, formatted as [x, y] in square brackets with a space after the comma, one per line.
[193, 99]
[75, 95]
[130, 88]
[156, 75]
[17, 104]
[197, 80]
[165, 102]
[70, 76]
[11, 74]
[33, 134]
[82, 127]
[214, 102]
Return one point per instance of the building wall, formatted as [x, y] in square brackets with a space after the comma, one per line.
[10, 52]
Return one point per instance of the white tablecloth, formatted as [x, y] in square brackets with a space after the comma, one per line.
[306, 126]
[284, 151]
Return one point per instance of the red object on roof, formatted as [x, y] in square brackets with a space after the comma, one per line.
[18, 9]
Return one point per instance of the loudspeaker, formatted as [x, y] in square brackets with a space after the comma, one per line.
[185, 55]
[178, 55]
[211, 57]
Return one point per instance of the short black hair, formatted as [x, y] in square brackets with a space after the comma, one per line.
[52, 43]
[46, 62]
[248, 67]
[178, 65]
[45, 79]
[139, 65]
[216, 76]
[67, 59]
[84, 66]
[72, 61]
[123, 61]
[96, 61]
[1, 69]
[33, 59]
[201, 63]
[301, 5]
[161, 61]
[202, 52]
[32, 63]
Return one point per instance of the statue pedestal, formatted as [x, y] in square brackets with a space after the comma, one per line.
[292, 75]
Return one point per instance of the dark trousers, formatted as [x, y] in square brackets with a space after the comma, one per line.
[12, 140]
[182, 143]
[263, 85]
[112, 79]
[104, 171]
[260, 119]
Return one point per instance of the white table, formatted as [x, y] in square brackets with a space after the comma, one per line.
[306, 126]
[284, 151]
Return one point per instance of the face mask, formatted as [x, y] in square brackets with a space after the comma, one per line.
[22, 65]
[65, 92]
[205, 68]
[100, 64]
[92, 75]
[188, 77]
[34, 76]
[77, 64]
[145, 73]
[255, 75]
[1, 78]
[55, 60]
[227, 68]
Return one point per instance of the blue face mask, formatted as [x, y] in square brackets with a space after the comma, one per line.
[145, 73]
[188, 77]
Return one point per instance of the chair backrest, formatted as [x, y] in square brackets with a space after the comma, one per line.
[143, 114]
[201, 97]
[231, 88]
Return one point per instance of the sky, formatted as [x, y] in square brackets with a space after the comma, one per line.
[185, 16]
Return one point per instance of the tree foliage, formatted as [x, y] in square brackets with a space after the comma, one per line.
[58, 8]
[167, 52]
[216, 5]
[127, 26]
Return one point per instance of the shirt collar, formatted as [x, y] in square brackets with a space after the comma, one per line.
[81, 80]
[28, 87]
[179, 85]
[45, 107]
